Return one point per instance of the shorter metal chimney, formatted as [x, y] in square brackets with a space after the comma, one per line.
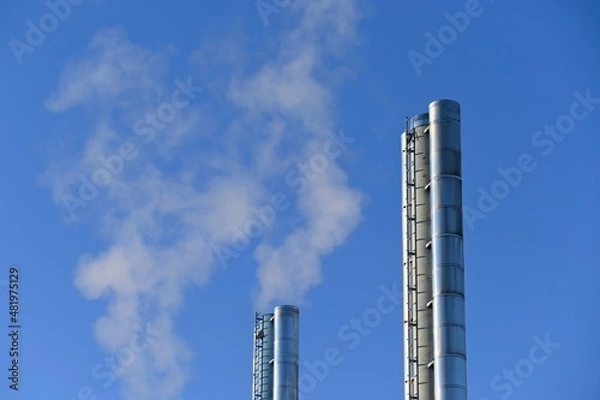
[276, 368]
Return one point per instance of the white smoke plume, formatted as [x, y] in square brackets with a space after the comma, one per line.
[166, 209]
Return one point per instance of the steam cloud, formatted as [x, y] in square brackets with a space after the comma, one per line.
[166, 209]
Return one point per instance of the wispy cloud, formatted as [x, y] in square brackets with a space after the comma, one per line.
[290, 87]
[164, 215]
[112, 66]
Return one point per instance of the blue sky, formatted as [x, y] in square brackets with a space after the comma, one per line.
[249, 104]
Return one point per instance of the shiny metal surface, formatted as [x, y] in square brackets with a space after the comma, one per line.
[419, 120]
[417, 261]
[424, 264]
[450, 368]
[285, 372]
[267, 357]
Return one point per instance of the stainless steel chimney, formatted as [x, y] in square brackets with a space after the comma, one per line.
[450, 362]
[418, 325]
[433, 268]
[276, 348]
[286, 353]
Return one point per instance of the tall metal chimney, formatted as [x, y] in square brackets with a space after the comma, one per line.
[433, 265]
[276, 349]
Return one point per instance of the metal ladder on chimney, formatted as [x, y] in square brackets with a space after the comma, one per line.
[257, 375]
[410, 265]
